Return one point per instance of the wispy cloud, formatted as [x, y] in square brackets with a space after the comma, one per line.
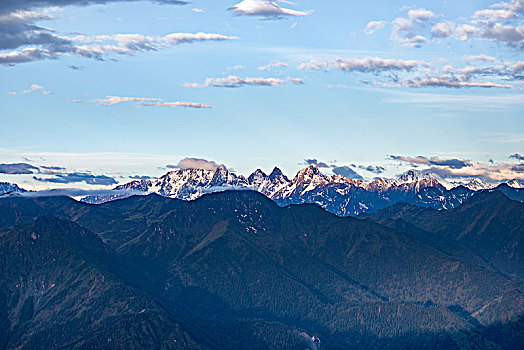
[98, 46]
[176, 104]
[468, 101]
[449, 82]
[142, 102]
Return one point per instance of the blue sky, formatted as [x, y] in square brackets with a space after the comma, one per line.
[124, 88]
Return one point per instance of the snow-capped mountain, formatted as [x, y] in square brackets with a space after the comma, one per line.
[477, 185]
[338, 194]
[515, 183]
[6, 187]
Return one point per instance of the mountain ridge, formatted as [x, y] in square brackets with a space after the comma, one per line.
[340, 195]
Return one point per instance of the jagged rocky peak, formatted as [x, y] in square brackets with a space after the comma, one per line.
[415, 175]
[423, 178]
[6, 187]
[257, 178]
[277, 176]
[309, 174]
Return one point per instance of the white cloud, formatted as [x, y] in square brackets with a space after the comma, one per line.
[99, 45]
[23, 16]
[367, 64]
[30, 42]
[500, 32]
[26, 55]
[113, 100]
[32, 88]
[197, 10]
[403, 31]
[193, 85]
[494, 15]
[233, 81]
[237, 67]
[420, 14]
[176, 104]
[450, 82]
[195, 163]
[456, 168]
[443, 29]
[273, 64]
[374, 26]
[500, 23]
[142, 102]
[265, 8]
[481, 58]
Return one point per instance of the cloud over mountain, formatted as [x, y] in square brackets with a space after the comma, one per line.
[195, 163]
[89, 179]
[17, 169]
[456, 168]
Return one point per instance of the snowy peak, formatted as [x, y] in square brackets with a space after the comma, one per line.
[336, 193]
[6, 187]
[310, 174]
[415, 175]
[257, 178]
[424, 179]
[515, 183]
[477, 185]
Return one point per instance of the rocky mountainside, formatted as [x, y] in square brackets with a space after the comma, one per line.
[339, 195]
[234, 270]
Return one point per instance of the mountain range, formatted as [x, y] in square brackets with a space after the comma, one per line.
[339, 195]
[235, 270]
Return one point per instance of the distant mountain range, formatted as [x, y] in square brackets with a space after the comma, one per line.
[233, 270]
[337, 194]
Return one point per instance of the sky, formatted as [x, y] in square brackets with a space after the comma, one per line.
[95, 93]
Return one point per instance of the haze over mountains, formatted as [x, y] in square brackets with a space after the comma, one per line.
[235, 270]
